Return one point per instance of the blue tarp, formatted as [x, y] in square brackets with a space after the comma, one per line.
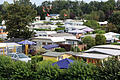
[63, 64]
[50, 46]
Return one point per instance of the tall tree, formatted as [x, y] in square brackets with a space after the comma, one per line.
[17, 17]
[25, 2]
[100, 39]
[64, 14]
[115, 19]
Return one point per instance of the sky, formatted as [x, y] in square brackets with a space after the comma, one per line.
[38, 2]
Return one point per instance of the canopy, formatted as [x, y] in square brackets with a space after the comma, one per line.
[76, 31]
[26, 42]
[50, 46]
[63, 64]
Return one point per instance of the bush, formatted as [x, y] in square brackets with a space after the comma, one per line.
[90, 41]
[92, 24]
[6, 67]
[72, 58]
[40, 50]
[79, 70]
[110, 70]
[42, 29]
[99, 31]
[75, 49]
[100, 39]
[11, 70]
[36, 59]
[45, 71]
[62, 28]
[60, 50]
[22, 70]
[115, 43]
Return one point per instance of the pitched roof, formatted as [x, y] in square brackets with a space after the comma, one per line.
[53, 39]
[63, 64]
[94, 55]
[112, 52]
[61, 34]
[108, 46]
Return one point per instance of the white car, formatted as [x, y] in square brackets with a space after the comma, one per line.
[19, 56]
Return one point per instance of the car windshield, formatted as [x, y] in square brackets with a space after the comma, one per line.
[22, 56]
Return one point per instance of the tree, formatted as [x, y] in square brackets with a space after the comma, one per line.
[93, 24]
[75, 49]
[17, 18]
[92, 16]
[95, 15]
[101, 15]
[98, 31]
[90, 41]
[109, 70]
[0, 18]
[100, 39]
[25, 2]
[5, 5]
[111, 28]
[64, 14]
[115, 19]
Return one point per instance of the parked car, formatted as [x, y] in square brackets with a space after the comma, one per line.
[19, 56]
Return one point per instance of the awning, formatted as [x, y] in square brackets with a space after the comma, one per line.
[50, 46]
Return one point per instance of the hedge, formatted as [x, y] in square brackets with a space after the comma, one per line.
[60, 50]
[78, 70]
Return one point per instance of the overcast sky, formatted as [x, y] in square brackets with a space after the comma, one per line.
[38, 2]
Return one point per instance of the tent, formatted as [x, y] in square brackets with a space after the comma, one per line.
[63, 64]
[26, 43]
[50, 46]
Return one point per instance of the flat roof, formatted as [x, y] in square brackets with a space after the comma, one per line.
[53, 54]
[61, 34]
[54, 39]
[9, 44]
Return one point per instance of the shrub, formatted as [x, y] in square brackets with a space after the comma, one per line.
[11, 70]
[79, 70]
[115, 43]
[109, 70]
[99, 31]
[36, 59]
[40, 50]
[92, 24]
[72, 58]
[100, 39]
[90, 41]
[62, 28]
[6, 67]
[45, 71]
[75, 49]
[22, 70]
[60, 50]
